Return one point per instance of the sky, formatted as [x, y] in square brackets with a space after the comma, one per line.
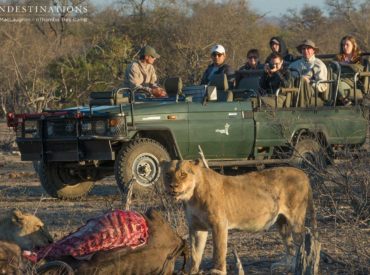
[271, 7]
[279, 7]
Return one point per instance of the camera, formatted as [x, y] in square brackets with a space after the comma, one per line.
[271, 66]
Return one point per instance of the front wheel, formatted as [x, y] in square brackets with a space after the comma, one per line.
[140, 161]
[63, 182]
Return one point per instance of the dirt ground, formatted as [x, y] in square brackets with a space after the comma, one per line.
[20, 188]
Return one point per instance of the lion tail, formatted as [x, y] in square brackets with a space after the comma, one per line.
[311, 208]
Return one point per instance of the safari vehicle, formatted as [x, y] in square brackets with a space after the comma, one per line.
[118, 135]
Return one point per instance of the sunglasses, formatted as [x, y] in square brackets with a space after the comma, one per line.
[217, 54]
[252, 57]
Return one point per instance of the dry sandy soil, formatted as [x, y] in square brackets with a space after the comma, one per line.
[20, 188]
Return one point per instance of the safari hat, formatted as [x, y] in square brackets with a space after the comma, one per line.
[307, 43]
[218, 49]
[150, 51]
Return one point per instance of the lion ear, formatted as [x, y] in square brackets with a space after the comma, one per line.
[198, 162]
[17, 216]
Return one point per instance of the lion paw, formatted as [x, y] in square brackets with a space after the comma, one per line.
[217, 272]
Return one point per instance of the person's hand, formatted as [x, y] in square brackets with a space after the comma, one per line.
[158, 92]
[307, 79]
[273, 70]
[267, 68]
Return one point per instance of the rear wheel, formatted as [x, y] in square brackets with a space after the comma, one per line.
[308, 154]
[63, 182]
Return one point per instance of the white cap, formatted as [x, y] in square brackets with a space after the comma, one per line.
[218, 49]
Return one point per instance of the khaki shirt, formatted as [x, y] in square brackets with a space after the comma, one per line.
[314, 69]
[140, 75]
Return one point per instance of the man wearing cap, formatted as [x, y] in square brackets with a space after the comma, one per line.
[141, 74]
[312, 70]
[218, 66]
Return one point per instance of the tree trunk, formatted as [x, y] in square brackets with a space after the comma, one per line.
[308, 256]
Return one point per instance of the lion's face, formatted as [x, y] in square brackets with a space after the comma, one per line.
[28, 231]
[179, 179]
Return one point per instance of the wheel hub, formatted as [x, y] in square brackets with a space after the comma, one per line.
[146, 169]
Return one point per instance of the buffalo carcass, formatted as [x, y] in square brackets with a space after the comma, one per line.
[157, 256]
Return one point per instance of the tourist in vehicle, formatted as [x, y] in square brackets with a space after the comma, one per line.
[141, 75]
[350, 59]
[218, 66]
[275, 76]
[311, 69]
[253, 61]
[277, 44]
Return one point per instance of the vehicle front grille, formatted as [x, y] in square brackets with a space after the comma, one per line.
[61, 128]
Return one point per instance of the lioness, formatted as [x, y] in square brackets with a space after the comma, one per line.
[26, 230]
[10, 258]
[252, 202]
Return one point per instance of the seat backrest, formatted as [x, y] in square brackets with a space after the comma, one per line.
[249, 80]
[366, 81]
[173, 86]
[220, 82]
[114, 97]
[249, 83]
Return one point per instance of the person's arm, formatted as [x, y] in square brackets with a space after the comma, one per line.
[135, 78]
[204, 79]
[264, 81]
[284, 78]
[320, 73]
[230, 73]
[152, 77]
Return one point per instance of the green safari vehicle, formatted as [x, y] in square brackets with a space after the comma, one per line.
[122, 135]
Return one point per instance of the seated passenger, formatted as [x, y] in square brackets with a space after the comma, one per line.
[350, 55]
[218, 66]
[141, 74]
[311, 70]
[274, 77]
[253, 61]
[277, 45]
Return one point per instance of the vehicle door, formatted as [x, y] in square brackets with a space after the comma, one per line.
[220, 129]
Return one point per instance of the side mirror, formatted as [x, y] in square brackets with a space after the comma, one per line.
[211, 93]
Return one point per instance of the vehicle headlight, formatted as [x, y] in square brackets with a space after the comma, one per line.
[31, 129]
[69, 127]
[86, 126]
[50, 129]
[100, 127]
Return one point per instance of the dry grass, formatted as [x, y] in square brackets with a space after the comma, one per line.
[341, 198]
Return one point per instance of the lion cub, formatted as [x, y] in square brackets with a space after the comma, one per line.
[251, 202]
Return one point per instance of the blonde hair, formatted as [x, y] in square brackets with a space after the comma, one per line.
[356, 53]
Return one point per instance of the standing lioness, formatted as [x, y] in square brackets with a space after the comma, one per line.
[251, 202]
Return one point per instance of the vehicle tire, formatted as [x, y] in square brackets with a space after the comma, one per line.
[60, 182]
[309, 155]
[55, 267]
[140, 160]
[36, 166]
